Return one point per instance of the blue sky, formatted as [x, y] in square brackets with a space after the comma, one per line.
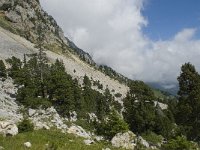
[167, 17]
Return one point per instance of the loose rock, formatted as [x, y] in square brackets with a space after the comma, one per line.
[28, 144]
[8, 128]
[124, 140]
[88, 142]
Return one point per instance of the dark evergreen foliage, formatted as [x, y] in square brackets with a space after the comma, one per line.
[44, 85]
[25, 126]
[141, 113]
[188, 107]
[2, 69]
[111, 125]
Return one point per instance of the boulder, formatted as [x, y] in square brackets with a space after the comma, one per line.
[8, 128]
[27, 144]
[88, 142]
[124, 140]
[31, 112]
[1, 147]
[143, 142]
[98, 138]
[79, 131]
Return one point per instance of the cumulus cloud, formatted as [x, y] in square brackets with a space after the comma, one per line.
[111, 31]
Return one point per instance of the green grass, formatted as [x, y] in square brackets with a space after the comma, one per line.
[40, 138]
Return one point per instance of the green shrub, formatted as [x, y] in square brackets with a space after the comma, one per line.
[112, 125]
[179, 143]
[152, 138]
[25, 126]
[118, 95]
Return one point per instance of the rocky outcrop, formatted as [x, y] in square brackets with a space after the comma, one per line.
[9, 110]
[79, 131]
[27, 17]
[45, 119]
[8, 128]
[124, 140]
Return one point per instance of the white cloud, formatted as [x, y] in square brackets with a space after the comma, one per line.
[111, 31]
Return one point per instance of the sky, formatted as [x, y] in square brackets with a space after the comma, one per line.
[146, 40]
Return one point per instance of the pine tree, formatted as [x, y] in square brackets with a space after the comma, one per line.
[60, 88]
[139, 107]
[42, 58]
[78, 98]
[111, 125]
[15, 66]
[188, 108]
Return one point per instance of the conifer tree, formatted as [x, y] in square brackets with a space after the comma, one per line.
[15, 66]
[111, 125]
[139, 107]
[188, 108]
[60, 88]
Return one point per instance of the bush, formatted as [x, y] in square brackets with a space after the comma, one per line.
[112, 125]
[118, 95]
[152, 138]
[25, 126]
[179, 143]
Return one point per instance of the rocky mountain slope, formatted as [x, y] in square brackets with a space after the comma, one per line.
[24, 19]
[14, 45]
[28, 19]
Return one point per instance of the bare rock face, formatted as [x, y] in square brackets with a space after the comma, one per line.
[79, 131]
[9, 110]
[13, 16]
[27, 16]
[124, 140]
[8, 128]
[45, 119]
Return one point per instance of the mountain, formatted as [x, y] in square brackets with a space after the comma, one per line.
[54, 96]
[169, 88]
[26, 19]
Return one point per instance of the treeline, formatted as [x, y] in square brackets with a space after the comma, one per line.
[41, 84]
